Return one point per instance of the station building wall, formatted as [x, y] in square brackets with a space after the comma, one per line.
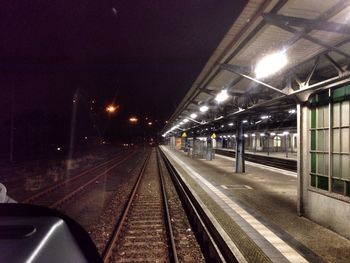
[324, 159]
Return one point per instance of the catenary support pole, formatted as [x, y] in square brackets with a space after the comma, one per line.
[240, 167]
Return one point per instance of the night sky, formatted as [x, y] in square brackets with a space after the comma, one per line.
[144, 55]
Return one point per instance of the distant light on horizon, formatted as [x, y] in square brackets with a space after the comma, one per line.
[111, 109]
[133, 120]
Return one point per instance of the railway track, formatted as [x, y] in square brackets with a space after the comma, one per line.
[154, 226]
[16, 186]
[141, 234]
[290, 165]
[56, 195]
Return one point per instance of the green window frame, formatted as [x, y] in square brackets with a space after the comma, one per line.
[330, 126]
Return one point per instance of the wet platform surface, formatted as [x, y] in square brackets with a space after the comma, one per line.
[262, 203]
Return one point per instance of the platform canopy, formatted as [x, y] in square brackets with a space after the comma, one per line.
[274, 56]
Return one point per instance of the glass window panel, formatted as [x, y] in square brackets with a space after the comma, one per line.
[347, 188]
[313, 162]
[325, 118]
[325, 157]
[336, 114]
[319, 123]
[345, 166]
[322, 182]
[338, 93]
[320, 163]
[326, 140]
[338, 186]
[345, 140]
[313, 180]
[336, 140]
[336, 165]
[320, 140]
[345, 113]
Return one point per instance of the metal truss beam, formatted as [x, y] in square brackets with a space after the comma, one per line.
[310, 24]
[235, 69]
[334, 64]
[305, 36]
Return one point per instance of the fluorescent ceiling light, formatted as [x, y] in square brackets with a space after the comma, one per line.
[185, 120]
[270, 64]
[193, 115]
[222, 96]
[264, 117]
[272, 133]
[292, 111]
[244, 121]
[204, 108]
[230, 124]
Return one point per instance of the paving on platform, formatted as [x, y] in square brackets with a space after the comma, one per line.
[282, 155]
[257, 211]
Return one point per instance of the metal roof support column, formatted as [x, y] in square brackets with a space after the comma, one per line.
[300, 161]
[240, 166]
[209, 154]
[194, 148]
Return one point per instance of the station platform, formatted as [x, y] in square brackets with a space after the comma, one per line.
[255, 212]
[282, 155]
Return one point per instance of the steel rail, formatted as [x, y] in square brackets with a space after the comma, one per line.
[173, 251]
[64, 182]
[80, 188]
[215, 248]
[108, 252]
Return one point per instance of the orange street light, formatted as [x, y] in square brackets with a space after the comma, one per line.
[111, 109]
[133, 120]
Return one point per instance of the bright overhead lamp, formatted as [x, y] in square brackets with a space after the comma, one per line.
[185, 120]
[253, 134]
[193, 115]
[204, 108]
[230, 124]
[221, 96]
[292, 111]
[270, 64]
[244, 121]
[272, 133]
[181, 122]
[264, 117]
[262, 134]
[285, 133]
